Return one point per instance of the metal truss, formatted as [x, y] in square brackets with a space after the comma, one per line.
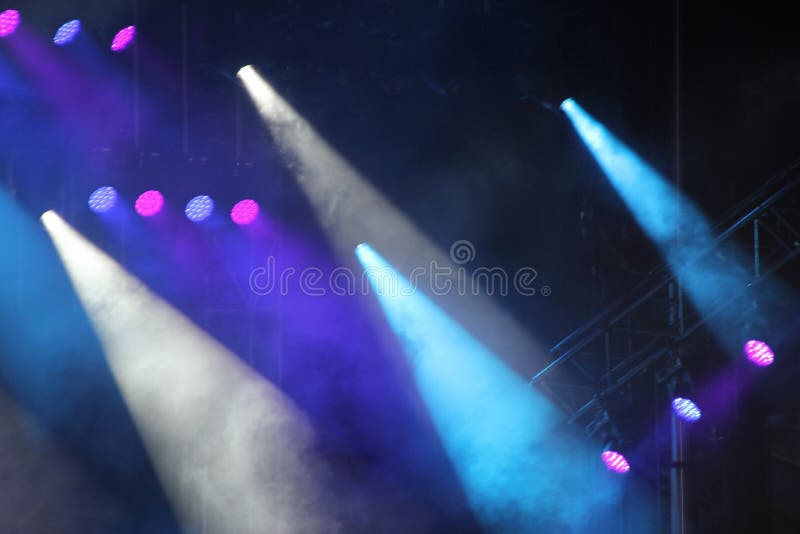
[640, 329]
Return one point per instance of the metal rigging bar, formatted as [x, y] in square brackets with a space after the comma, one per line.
[637, 330]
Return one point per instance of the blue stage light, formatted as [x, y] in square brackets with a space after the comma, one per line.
[499, 434]
[67, 32]
[686, 409]
[103, 199]
[672, 221]
[199, 208]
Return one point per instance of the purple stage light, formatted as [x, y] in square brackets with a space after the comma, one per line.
[149, 203]
[123, 39]
[199, 208]
[9, 21]
[686, 409]
[244, 212]
[67, 32]
[759, 353]
[103, 199]
[615, 462]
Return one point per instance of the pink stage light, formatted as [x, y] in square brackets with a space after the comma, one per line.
[245, 212]
[123, 39]
[615, 462]
[149, 203]
[759, 353]
[9, 21]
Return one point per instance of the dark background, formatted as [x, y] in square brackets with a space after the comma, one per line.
[451, 110]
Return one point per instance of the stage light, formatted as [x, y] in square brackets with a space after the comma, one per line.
[199, 208]
[674, 223]
[615, 462]
[602, 426]
[67, 32]
[500, 435]
[500, 469]
[759, 353]
[686, 409]
[9, 21]
[149, 203]
[244, 212]
[123, 39]
[232, 452]
[350, 209]
[103, 199]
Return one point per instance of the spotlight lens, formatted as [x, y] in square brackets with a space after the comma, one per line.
[149, 203]
[615, 462]
[567, 104]
[67, 32]
[199, 208]
[9, 21]
[245, 212]
[48, 216]
[759, 353]
[103, 199]
[686, 409]
[123, 39]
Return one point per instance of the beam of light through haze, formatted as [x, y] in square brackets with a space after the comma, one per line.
[664, 213]
[351, 210]
[232, 453]
[517, 469]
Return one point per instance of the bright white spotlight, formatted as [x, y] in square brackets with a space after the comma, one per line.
[351, 210]
[232, 453]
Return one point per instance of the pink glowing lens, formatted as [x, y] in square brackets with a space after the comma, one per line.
[123, 39]
[149, 203]
[9, 21]
[615, 462]
[245, 212]
[759, 353]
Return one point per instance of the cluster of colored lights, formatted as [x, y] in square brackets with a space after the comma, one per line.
[150, 203]
[686, 409]
[759, 353]
[10, 20]
[615, 462]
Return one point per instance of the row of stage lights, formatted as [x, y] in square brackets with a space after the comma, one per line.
[150, 203]
[758, 352]
[10, 20]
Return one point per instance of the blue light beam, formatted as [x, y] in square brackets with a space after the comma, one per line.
[663, 213]
[517, 471]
